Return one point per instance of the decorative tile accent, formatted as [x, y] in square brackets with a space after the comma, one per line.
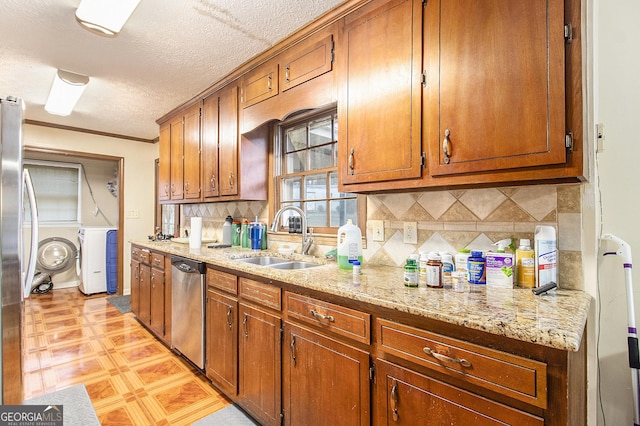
[436, 203]
[482, 202]
[398, 204]
[537, 200]
[569, 198]
[570, 227]
[458, 212]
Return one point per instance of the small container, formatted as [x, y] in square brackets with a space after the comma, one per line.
[525, 265]
[244, 234]
[458, 280]
[476, 266]
[447, 268]
[411, 273]
[434, 271]
[235, 233]
[461, 259]
[356, 267]
[422, 267]
[227, 231]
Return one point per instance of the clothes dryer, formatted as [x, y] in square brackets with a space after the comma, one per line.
[93, 258]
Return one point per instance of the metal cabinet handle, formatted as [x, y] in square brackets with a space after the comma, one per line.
[351, 159]
[229, 322]
[186, 186]
[269, 83]
[463, 362]
[244, 324]
[213, 182]
[446, 146]
[231, 179]
[286, 73]
[292, 350]
[394, 400]
[317, 315]
[173, 188]
[166, 189]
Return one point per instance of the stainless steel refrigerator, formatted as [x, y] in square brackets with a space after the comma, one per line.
[15, 276]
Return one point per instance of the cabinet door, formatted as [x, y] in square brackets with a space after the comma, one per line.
[210, 187]
[222, 341]
[325, 382]
[306, 60]
[156, 297]
[380, 92]
[177, 156]
[403, 397]
[228, 142]
[191, 151]
[495, 96]
[135, 287]
[164, 167]
[144, 311]
[260, 368]
[259, 84]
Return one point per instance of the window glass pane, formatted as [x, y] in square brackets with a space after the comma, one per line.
[296, 162]
[320, 158]
[320, 132]
[296, 138]
[333, 188]
[316, 213]
[291, 188]
[315, 186]
[287, 214]
[335, 127]
[56, 189]
[341, 210]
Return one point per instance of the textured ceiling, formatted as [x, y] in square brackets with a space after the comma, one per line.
[168, 52]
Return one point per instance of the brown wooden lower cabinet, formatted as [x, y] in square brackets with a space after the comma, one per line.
[325, 382]
[222, 341]
[259, 348]
[404, 397]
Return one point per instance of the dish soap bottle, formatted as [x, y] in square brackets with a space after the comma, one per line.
[349, 245]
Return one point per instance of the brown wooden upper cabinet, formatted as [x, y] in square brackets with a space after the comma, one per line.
[259, 84]
[179, 168]
[306, 60]
[379, 90]
[495, 85]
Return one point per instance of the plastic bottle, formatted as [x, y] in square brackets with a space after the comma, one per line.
[546, 255]
[499, 268]
[235, 233]
[411, 273]
[422, 268]
[461, 259]
[476, 266]
[434, 271]
[525, 265]
[349, 245]
[356, 267]
[447, 268]
[226, 231]
[244, 234]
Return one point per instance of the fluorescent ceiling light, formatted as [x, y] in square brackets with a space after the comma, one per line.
[105, 17]
[66, 89]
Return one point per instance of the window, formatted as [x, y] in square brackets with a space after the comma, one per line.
[57, 188]
[307, 172]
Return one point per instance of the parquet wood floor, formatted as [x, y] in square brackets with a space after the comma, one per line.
[131, 378]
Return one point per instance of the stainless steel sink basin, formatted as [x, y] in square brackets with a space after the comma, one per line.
[277, 262]
[263, 260]
[294, 265]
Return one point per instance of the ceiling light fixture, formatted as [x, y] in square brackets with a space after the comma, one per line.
[66, 89]
[105, 17]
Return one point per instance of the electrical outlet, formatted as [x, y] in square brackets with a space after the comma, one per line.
[133, 214]
[377, 230]
[411, 232]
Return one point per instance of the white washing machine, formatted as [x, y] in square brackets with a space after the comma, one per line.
[93, 259]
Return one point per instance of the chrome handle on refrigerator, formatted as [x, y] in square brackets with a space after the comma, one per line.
[33, 249]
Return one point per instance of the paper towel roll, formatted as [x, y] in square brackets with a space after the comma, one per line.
[195, 236]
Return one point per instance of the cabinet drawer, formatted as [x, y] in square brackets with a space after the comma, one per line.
[222, 281]
[337, 319]
[144, 256]
[135, 253]
[305, 61]
[511, 375]
[157, 260]
[261, 293]
[259, 84]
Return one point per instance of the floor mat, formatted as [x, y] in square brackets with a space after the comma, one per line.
[77, 409]
[122, 303]
[231, 415]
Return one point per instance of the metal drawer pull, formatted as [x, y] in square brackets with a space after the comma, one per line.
[213, 182]
[394, 401]
[321, 317]
[446, 146]
[351, 159]
[292, 350]
[229, 322]
[463, 362]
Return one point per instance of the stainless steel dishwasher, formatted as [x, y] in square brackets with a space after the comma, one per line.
[187, 308]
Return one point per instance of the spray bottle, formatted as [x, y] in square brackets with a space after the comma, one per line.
[500, 266]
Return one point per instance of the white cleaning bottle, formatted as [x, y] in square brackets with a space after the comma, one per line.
[546, 255]
[349, 245]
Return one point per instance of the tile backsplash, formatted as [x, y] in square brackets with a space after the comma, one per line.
[446, 220]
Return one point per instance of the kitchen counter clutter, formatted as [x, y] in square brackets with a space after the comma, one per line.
[556, 319]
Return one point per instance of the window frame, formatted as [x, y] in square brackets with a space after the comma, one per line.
[278, 132]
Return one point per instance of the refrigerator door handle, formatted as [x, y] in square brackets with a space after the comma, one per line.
[33, 249]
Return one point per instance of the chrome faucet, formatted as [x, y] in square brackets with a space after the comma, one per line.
[306, 237]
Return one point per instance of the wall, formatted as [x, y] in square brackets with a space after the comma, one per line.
[616, 105]
[139, 175]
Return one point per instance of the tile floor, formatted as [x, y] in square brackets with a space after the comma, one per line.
[131, 377]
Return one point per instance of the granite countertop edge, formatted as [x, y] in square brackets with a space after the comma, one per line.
[556, 319]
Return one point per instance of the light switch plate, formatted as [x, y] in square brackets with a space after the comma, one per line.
[411, 232]
[377, 230]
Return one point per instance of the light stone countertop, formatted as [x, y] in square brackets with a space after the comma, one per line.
[556, 319]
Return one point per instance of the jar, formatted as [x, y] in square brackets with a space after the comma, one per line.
[477, 268]
[411, 273]
[434, 271]
[458, 280]
[462, 258]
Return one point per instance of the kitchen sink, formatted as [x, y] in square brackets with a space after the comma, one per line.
[294, 265]
[277, 262]
[263, 260]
